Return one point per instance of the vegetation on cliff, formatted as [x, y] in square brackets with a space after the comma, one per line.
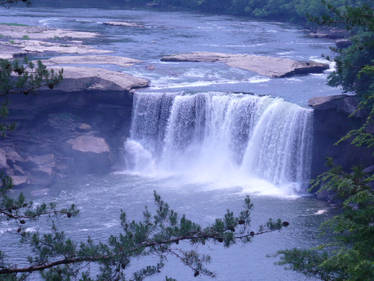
[288, 10]
[350, 253]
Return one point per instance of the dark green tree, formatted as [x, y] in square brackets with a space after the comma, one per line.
[349, 254]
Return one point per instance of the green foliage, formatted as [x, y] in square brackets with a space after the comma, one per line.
[355, 65]
[289, 10]
[350, 253]
[18, 77]
[24, 76]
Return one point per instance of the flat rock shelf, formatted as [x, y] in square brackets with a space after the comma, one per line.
[274, 67]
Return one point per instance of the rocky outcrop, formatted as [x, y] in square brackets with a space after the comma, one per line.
[343, 43]
[65, 133]
[78, 79]
[91, 153]
[42, 33]
[331, 33]
[8, 52]
[115, 60]
[87, 143]
[19, 40]
[334, 117]
[24, 47]
[78, 127]
[264, 65]
[124, 24]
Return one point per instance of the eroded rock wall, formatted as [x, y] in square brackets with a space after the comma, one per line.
[332, 121]
[60, 134]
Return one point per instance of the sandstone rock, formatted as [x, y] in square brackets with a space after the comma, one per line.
[42, 33]
[18, 180]
[8, 52]
[37, 46]
[90, 154]
[84, 127]
[43, 163]
[13, 155]
[264, 65]
[324, 103]
[83, 78]
[198, 57]
[88, 143]
[123, 23]
[331, 33]
[343, 43]
[341, 103]
[115, 60]
[3, 159]
[369, 170]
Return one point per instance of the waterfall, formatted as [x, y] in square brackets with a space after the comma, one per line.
[215, 136]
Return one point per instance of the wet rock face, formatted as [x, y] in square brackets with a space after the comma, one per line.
[332, 121]
[63, 134]
[264, 65]
[87, 143]
[91, 153]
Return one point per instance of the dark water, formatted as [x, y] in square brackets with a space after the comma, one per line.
[101, 198]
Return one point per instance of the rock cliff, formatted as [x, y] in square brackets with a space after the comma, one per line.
[334, 117]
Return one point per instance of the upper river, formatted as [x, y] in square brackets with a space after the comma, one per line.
[217, 173]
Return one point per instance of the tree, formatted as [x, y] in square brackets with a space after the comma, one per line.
[349, 254]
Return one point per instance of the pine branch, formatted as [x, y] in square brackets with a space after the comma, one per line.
[150, 244]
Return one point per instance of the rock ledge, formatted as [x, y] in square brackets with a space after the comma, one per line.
[264, 65]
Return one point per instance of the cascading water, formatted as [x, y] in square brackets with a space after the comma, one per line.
[239, 139]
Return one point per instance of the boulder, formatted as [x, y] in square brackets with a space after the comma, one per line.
[3, 159]
[13, 156]
[8, 51]
[87, 143]
[264, 65]
[369, 170]
[340, 103]
[331, 33]
[115, 60]
[343, 43]
[90, 154]
[84, 127]
[78, 79]
[19, 180]
[123, 23]
[43, 163]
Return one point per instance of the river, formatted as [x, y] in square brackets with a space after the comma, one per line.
[211, 173]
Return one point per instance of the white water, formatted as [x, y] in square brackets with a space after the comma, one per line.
[261, 144]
